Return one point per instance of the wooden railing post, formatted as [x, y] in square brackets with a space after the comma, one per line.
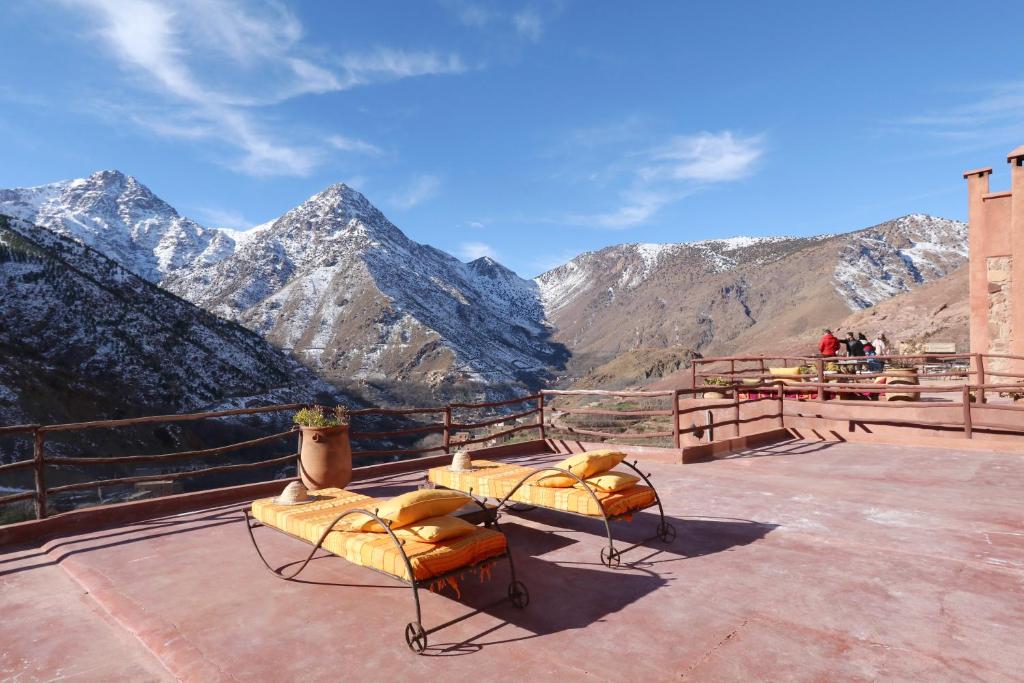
[39, 439]
[732, 370]
[675, 419]
[761, 363]
[979, 366]
[821, 378]
[736, 405]
[540, 415]
[447, 428]
[693, 373]
[968, 427]
[782, 405]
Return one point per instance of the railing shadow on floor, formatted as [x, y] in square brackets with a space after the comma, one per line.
[177, 525]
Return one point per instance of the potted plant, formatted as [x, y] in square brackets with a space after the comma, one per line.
[1015, 395]
[716, 382]
[901, 371]
[325, 455]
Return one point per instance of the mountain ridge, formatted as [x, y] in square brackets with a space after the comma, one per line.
[335, 283]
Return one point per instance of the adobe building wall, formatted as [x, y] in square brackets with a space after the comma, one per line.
[996, 271]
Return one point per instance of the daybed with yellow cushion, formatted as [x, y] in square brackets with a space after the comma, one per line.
[583, 484]
[412, 538]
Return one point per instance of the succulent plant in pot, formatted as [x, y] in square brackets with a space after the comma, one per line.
[325, 454]
[1015, 395]
[716, 382]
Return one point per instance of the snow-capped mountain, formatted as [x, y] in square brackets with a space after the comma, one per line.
[122, 219]
[334, 283]
[82, 337]
[735, 294]
[878, 263]
[337, 284]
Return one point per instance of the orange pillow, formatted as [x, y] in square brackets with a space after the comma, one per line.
[411, 507]
[437, 529]
[611, 482]
[583, 465]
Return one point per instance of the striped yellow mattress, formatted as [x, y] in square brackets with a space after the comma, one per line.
[377, 550]
[496, 480]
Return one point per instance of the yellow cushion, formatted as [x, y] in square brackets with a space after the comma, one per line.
[583, 465]
[610, 482]
[378, 551]
[497, 479]
[411, 507]
[441, 528]
[785, 372]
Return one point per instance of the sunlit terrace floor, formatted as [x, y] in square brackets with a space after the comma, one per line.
[798, 561]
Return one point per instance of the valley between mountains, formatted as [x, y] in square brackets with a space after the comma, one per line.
[106, 286]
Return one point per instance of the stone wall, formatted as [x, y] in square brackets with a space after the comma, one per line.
[999, 271]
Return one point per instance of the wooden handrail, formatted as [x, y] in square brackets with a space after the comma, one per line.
[203, 453]
[179, 417]
[173, 476]
[497, 420]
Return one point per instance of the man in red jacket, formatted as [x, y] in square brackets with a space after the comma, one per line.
[829, 345]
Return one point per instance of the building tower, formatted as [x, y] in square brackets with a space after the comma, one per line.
[996, 243]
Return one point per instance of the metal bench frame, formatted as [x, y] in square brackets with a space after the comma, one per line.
[610, 556]
[415, 634]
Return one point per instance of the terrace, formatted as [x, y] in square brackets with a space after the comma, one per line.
[852, 558]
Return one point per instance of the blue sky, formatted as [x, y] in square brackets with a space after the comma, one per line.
[531, 131]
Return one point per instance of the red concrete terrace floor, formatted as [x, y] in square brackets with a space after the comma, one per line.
[798, 561]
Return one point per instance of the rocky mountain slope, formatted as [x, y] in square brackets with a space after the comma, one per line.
[332, 282]
[739, 295]
[83, 337]
[335, 283]
[122, 219]
[938, 311]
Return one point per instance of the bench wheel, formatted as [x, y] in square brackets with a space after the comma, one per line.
[610, 557]
[415, 637]
[666, 532]
[518, 595]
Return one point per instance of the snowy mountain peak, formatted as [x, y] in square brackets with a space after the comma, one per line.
[338, 208]
[485, 266]
[120, 217]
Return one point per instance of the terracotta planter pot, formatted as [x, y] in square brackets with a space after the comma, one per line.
[325, 460]
[904, 376]
[717, 394]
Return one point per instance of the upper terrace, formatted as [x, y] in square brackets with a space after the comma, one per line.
[796, 559]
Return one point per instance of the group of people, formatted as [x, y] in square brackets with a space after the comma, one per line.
[855, 346]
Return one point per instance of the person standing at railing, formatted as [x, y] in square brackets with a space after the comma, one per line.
[881, 344]
[854, 346]
[829, 345]
[873, 364]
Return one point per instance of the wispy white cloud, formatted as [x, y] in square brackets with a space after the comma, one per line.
[386, 64]
[420, 190]
[704, 158]
[346, 144]
[477, 225]
[206, 57]
[984, 115]
[529, 24]
[668, 172]
[224, 218]
[471, 251]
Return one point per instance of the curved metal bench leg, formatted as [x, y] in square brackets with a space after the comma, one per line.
[518, 595]
[666, 533]
[415, 634]
[250, 526]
